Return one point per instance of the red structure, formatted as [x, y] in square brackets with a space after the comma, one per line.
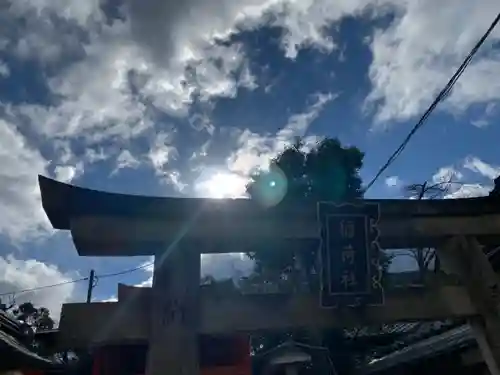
[218, 356]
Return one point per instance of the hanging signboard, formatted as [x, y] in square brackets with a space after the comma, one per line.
[350, 255]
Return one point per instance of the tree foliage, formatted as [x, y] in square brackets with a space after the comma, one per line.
[495, 192]
[328, 171]
[36, 317]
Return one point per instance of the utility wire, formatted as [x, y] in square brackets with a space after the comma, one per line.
[442, 95]
[74, 281]
[124, 272]
[44, 287]
[143, 266]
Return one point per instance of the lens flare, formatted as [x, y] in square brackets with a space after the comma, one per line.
[270, 187]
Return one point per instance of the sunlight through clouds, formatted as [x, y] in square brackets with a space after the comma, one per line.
[170, 98]
[222, 185]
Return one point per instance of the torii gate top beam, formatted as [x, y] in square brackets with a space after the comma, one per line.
[108, 224]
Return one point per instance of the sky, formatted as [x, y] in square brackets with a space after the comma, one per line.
[169, 98]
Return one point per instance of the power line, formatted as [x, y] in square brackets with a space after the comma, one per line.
[442, 95]
[44, 287]
[98, 277]
[74, 281]
[143, 266]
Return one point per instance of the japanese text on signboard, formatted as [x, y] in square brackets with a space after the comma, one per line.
[348, 265]
[350, 271]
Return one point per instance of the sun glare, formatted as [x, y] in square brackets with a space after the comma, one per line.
[223, 185]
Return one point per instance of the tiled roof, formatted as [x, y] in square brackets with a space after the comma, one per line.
[430, 339]
[432, 346]
[14, 355]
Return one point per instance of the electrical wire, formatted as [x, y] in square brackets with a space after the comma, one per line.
[142, 266]
[124, 272]
[119, 273]
[74, 281]
[442, 96]
[44, 287]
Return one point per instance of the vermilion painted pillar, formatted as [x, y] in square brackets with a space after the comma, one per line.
[173, 344]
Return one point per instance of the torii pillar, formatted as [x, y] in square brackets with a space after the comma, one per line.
[106, 224]
[173, 341]
[464, 257]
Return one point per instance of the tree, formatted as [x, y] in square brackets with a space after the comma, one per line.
[495, 192]
[38, 319]
[326, 172]
[425, 257]
[428, 191]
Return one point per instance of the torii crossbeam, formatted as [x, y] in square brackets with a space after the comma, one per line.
[174, 311]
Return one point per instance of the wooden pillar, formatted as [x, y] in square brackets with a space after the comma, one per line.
[173, 341]
[292, 369]
[465, 258]
[479, 332]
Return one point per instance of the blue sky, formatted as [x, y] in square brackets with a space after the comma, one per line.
[184, 100]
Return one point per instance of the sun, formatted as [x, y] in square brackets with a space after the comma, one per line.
[222, 185]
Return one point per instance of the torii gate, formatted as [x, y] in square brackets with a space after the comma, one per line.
[177, 230]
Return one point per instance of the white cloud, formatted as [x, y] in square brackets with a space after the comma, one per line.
[170, 30]
[480, 123]
[161, 153]
[215, 73]
[63, 151]
[173, 178]
[126, 160]
[67, 173]
[393, 181]
[224, 266]
[449, 180]
[77, 11]
[160, 53]
[165, 53]
[421, 49]
[458, 188]
[469, 191]
[255, 150]
[30, 32]
[447, 174]
[93, 155]
[221, 185]
[96, 100]
[202, 122]
[220, 266]
[488, 115]
[20, 203]
[477, 165]
[4, 69]
[148, 269]
[106, 93]
[16, 274]
[113, 298]
[201, 153]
